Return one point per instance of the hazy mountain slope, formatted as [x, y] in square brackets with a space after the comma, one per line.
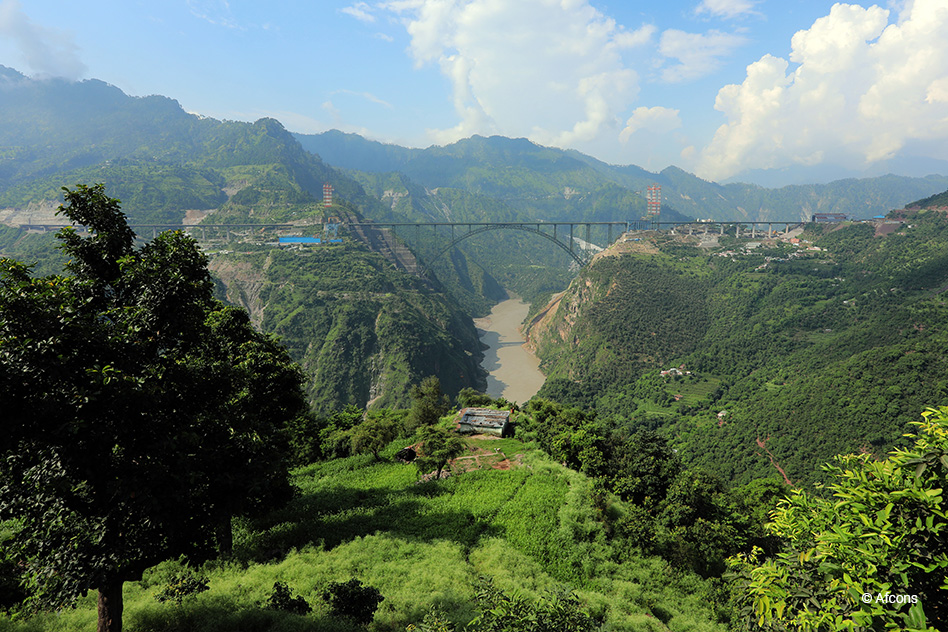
[482, 265]
[158, 159]
[543, 180]
[363, 331]
[161, 162]
[351, 151]
[537, 182]
[54, 125]
[934, 201]
[822, 174]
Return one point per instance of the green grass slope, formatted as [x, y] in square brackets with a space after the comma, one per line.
[532, 529]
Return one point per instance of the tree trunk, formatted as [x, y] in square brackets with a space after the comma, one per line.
[110, 607]
[225, 536]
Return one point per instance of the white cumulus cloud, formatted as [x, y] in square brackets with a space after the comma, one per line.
[552, 70]
[727, 8]
[697, 53]
[360, 11]
[46, 51]
[859, 90]
[659, 120]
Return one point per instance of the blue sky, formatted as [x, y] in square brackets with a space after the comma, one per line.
[712, 86]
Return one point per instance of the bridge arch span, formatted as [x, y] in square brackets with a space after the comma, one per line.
[578, 255]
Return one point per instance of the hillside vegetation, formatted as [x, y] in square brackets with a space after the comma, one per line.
[533, 530]
[933, 201]
[362, 331]
[779, 356]
[691, 387]
[515, 541]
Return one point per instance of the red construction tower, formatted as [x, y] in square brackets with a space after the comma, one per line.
[327, 195]
[653, 200]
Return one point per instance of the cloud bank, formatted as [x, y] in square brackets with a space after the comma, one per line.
[657, 119]
[549, 69]
[855, 90]
[47, 52]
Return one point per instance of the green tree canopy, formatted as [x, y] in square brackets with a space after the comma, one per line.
[439, 445]
[373, 434]
[428, 403]
[140, 414]
[873, 555]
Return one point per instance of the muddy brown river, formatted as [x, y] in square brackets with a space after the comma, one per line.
[514, 372]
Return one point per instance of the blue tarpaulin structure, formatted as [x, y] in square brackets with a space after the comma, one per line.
[300, 240]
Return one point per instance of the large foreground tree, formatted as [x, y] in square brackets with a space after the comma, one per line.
[139, 414]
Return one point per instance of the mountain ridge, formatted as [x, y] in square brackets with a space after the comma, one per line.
[475, 164]
[51, 130]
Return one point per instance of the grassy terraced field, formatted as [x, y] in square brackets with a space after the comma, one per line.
[531, 528]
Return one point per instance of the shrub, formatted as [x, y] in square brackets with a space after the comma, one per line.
[557, 612]
[281, 599]
[469, 397]
[434, 621]
[353, 600]
[183, 584]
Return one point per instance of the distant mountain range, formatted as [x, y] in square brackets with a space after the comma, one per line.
[162, 161]
[538, 180]
[822, 174]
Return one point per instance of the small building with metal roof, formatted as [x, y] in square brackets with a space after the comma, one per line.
[484, 421]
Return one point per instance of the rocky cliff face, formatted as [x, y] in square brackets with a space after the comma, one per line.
[362, 331]
[610, 315]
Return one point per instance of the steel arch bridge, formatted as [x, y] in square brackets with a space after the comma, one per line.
[580, 250]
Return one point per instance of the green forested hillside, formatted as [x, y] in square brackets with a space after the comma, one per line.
[787, 355]
[155, 157]
[162, 162]
[939, 199]
[37, 249]
[362, 331]
[621, 514]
